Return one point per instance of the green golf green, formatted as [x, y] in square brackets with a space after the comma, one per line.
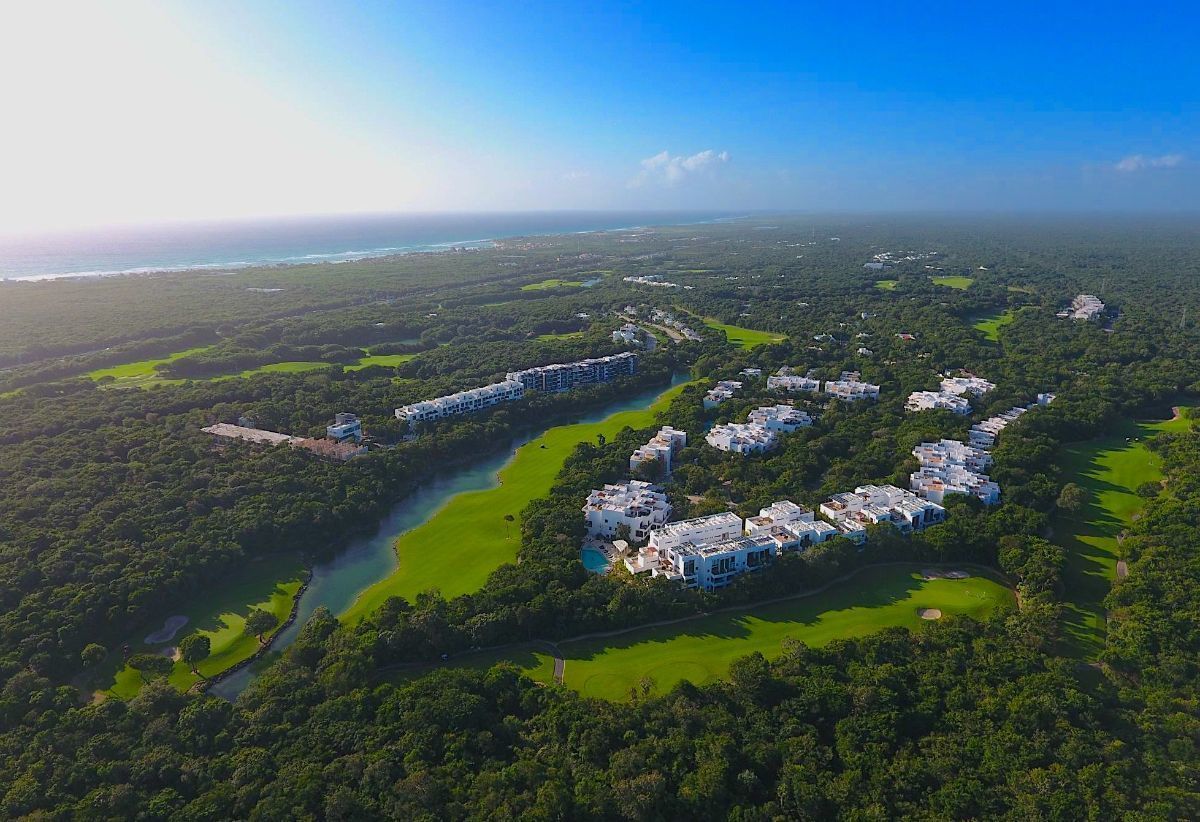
[701, 650]
[1111, 469]
[744, 337]
[990, 326]
[887, 285]
[269, 584]
[551, 283]
[142, 373]
[386, 360]
[953, 282]
[458, 546]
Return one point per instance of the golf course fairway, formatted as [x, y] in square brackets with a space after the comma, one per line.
[1111, 469]
[701, 650]
[744, 337]
[468, 538]
[990, 326]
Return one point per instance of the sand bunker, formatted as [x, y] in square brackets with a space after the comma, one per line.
[167, 632]
[934, 573]
[170, 652]
[929, 613]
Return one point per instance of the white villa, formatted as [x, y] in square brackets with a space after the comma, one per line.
[713, 528]
[713, 566]
[741, 438]
[876, 504]
[967, 384]
[638, 505]
[345, 427]
[983, 434]
[952, 452]
[953, 467]
[751, 372]
[851, 390]
[462, 402]
[793, 383]
[934, 400]
[784, 418]
[661, 447]
[1084, 307]
[723, 390]
[628, 334]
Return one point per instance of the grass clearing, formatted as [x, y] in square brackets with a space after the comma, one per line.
[269, 584]
[744, 337]
[468, 538]
[887, 285]
[552, 283]
[565, 335]
[953, 282]
[701, 650]
[385, 360]
[143, 373]
[991, 325]
[1111, 469]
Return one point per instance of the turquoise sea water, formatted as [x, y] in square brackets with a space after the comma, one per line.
[221, 245]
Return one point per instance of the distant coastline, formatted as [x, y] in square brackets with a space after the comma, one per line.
[234, 245]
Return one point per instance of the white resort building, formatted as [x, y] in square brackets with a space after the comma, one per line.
[784, 418]
[345, 427]
[793, 383]
[953, 467]
[877, 504]
[741, 438]
[937, 400]
[1084, 307]
[628, 334]
[723, 390]
[661, 448]
[966, 384]
[637, 505]
[565, 376]
[851, 390]
[462, 402]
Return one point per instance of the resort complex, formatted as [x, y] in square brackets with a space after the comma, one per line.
[741, 438]
[793, 383]
[659, 450]
[937, 401]
[565, 376]
[880, 504]
[724, 390]
[638, 506]
[784, 418]
[851, 389]
[953, 467]
[462, 402]
[1083, 307]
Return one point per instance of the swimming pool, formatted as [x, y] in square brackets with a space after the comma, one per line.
[594, 561]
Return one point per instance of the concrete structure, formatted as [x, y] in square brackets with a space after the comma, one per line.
[565, 376]
[462, 402]
[333, 449]
[739, 438]
[1045, 399]
[1084, 307]
[878, 504]
[953, 467]
[793, 383]
[851, 390]
[225, 432]
[783, 418]
[346, 427]
[966, 384]
[638, 505]
[661, 448]
[935, 400]
[650, 279]
[723, 390]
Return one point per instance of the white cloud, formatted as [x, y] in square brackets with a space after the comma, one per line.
[1137, 162]
[671, 169]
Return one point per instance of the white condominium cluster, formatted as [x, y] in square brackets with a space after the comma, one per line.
[851, 389]
[661, 447]
[723, 390]
[462, 402]
[628, 334]
[668, 319]
[793, 383]
[710, 552]
[785, 418]
[637, 505]
[877, 504]
[934, 400]
[1084, 307]
[983, 434]
[566, 375]
[741, 438]
[966, 384]
[651, 279]
[953, 467]
[752, 373]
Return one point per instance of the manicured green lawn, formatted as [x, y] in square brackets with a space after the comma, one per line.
[887, 285]
[566, 335]
[702, 650]
[290, 367]
[386, 360]
[1111, 469]
[141, 374]
[744, 337]
[990, 326]
[953, 282]
[456, 548]
[551, 283]
[269, 584]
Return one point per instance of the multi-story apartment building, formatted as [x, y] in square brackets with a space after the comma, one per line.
[966, 384]
[793, 383]
[637, 505]
[784, 418]
[741, 438]
[722, 391]
[568, 375]
[877, 504]
[462, 402]
[661, 448]
[937, 400]
[851, 390]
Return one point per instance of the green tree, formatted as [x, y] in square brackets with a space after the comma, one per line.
[194, 649]
[1072, 497]
[93, 654]
[151, 666]
[258, 622]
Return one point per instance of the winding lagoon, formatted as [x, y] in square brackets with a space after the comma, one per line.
[369, 563]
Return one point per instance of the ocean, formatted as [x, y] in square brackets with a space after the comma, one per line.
[238, 244]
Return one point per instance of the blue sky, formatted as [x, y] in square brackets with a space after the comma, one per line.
[222, 108]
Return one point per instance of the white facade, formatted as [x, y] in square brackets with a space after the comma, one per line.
[783, 418]
[983, 434]
[935, 400]
[953, 467]
[792, 383]
[1086, 307]
[751, 372]
[723, 390]
[781, 513]
[967, 384]
[628, 334]
[564, 376]
[877, 504]
[638, 505]
[225, 431]
[713, 528]
[741, 438]
[345, 427]
[713, 566]
[661, 447]
[463, 402]
[851, 390]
